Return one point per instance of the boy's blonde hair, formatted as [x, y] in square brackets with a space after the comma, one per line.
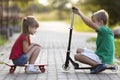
[27, 22]
[101, 15]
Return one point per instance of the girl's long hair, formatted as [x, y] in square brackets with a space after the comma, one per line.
[27, 22]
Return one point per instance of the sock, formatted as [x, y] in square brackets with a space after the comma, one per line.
[31, 65]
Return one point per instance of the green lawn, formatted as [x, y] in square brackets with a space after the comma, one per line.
[79, 25]
[2, 40]
[117, 48]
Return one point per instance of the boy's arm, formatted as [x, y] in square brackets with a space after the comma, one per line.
[85, 19]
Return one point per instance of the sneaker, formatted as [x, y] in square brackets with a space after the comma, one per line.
[98, 68]
[32, 70]
[92, 68]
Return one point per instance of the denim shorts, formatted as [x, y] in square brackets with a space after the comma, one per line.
[22, 60]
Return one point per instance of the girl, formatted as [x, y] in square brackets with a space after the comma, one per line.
[23, 50]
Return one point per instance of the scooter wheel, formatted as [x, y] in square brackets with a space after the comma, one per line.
[11, 71]
[65, 68]
[115, 68]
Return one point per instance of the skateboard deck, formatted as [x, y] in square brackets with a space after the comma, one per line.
[13, 67]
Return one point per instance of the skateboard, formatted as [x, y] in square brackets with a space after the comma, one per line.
[13, 67]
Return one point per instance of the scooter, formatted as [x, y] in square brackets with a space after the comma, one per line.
[66, 66]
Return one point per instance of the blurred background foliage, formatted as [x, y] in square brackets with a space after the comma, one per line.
[61, 9]
[12, 11]
[55, 10]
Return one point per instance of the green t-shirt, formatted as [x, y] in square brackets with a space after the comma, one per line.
[105, 45]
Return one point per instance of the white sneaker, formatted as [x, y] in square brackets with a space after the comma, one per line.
[32, 70]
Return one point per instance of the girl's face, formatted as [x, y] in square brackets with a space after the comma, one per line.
[32, 30]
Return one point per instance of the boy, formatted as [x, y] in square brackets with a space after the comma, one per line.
[104, 53]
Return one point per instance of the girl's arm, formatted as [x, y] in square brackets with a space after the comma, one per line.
[85, 19]
[27, 46]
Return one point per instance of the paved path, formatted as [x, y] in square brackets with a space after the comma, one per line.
[53, 37]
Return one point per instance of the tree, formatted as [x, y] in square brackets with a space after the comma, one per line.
[59, 5]
[111, 6]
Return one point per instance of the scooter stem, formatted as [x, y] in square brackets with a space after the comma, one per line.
[69, 43]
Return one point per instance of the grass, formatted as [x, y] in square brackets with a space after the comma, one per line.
[93, 39]
[1, 54]
[1, 62]
[2, 40]
[117, 48]
[79, 25]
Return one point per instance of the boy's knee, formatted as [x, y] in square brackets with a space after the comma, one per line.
[79, 50]
[76, 57]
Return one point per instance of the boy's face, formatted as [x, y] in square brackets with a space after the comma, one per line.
[32, 30]
[97, 22]
[94, 20]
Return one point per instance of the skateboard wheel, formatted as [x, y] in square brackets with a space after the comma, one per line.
[42, 69]
[11, 70]
[65, 68]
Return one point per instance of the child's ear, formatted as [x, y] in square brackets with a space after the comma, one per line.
[101, 21]
[29, 26]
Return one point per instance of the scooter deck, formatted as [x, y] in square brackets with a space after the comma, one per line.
[111, 67]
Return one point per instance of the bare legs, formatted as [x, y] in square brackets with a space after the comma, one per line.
[83, 59]
[33, 54]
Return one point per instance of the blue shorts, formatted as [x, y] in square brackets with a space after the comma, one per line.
[21, 60]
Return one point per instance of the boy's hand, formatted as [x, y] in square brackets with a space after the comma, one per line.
[75, 10]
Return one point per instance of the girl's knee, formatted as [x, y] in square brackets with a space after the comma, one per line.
[37, 47]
